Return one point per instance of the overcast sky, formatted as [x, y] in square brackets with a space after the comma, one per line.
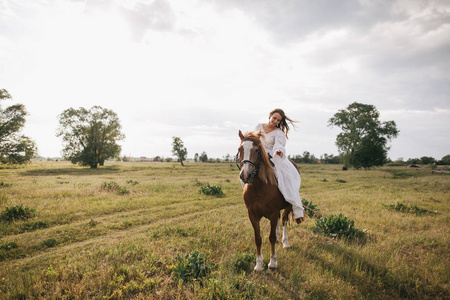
[202, 70]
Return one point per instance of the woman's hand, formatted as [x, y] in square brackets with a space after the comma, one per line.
[279, 152]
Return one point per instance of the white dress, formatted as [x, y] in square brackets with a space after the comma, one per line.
[287, 175]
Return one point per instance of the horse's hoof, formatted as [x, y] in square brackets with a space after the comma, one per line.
[286, 245]
[258, 268]
[299, 220]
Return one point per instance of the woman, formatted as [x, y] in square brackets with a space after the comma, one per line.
[276, 134]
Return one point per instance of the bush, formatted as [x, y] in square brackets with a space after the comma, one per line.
[311, 209]
[212, 190]
[18, 212]
[337, 226]
[192, 266]
[110, 186]
[113, 186]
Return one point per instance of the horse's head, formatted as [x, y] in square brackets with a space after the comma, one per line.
[249, 156]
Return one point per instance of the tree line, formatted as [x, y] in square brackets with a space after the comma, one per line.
[90, 137]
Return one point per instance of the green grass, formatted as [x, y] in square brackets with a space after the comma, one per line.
[160, 238]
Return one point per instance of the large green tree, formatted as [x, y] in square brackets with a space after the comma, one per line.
[363, 140]
[90, 136]
[179, 150]
[14, 147]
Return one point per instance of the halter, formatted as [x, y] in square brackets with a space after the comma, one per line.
[246, 161]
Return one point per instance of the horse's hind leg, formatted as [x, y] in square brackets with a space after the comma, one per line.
[285, 220]
[273, 238]
[258, 241]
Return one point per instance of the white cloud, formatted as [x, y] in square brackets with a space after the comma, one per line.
[203, 70]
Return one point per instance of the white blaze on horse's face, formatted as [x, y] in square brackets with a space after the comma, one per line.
[247, 151]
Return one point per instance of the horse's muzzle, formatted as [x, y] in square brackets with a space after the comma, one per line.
[246, 176]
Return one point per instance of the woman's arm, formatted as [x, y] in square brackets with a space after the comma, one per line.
[279, 148]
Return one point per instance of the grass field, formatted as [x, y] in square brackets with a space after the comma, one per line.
[144, 231]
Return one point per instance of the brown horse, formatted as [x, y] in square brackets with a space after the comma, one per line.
[261, 194]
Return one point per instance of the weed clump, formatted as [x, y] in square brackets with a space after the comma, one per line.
[193, 266]
[400, 207]
[212, 190]
[32, 226]
[8, 246]
[18, 212]
[113, 186]
[242, 262]
[49, 243]
[338, 226]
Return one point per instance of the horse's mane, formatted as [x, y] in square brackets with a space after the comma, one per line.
[266, 172]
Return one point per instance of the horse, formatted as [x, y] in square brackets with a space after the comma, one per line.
[261, 194]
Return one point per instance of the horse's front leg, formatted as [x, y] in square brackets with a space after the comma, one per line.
[258, 241]
[273, 239]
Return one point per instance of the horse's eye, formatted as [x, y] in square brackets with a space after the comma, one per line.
[258, 150]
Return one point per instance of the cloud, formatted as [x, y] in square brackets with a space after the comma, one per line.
[202, 70]
[157, 15]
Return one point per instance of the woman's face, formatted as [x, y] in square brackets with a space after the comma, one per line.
[275, 119]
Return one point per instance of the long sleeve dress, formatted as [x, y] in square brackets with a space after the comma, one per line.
[287, 175]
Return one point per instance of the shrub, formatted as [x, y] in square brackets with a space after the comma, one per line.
[406, 209]
[311, 209]
[212, 190]
[110, 186]
[192, 266]
[113, 186]
[18, 212]
[122, 191]
[338, 226]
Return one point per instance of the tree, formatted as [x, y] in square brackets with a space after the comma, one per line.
[363, 140]
[445, 160]
[179, 150]
[203, 157]
[90, 136]
[14, 148]
[426, 160]
[196, 157]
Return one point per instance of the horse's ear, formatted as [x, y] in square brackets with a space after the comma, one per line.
[241, 135]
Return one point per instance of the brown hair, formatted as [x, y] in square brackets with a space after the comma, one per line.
[284, 126]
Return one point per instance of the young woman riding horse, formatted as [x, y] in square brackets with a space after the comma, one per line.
[268, 190]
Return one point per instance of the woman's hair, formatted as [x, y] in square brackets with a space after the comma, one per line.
[284, 126]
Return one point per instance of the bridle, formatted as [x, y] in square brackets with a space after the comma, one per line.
[247, 161]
